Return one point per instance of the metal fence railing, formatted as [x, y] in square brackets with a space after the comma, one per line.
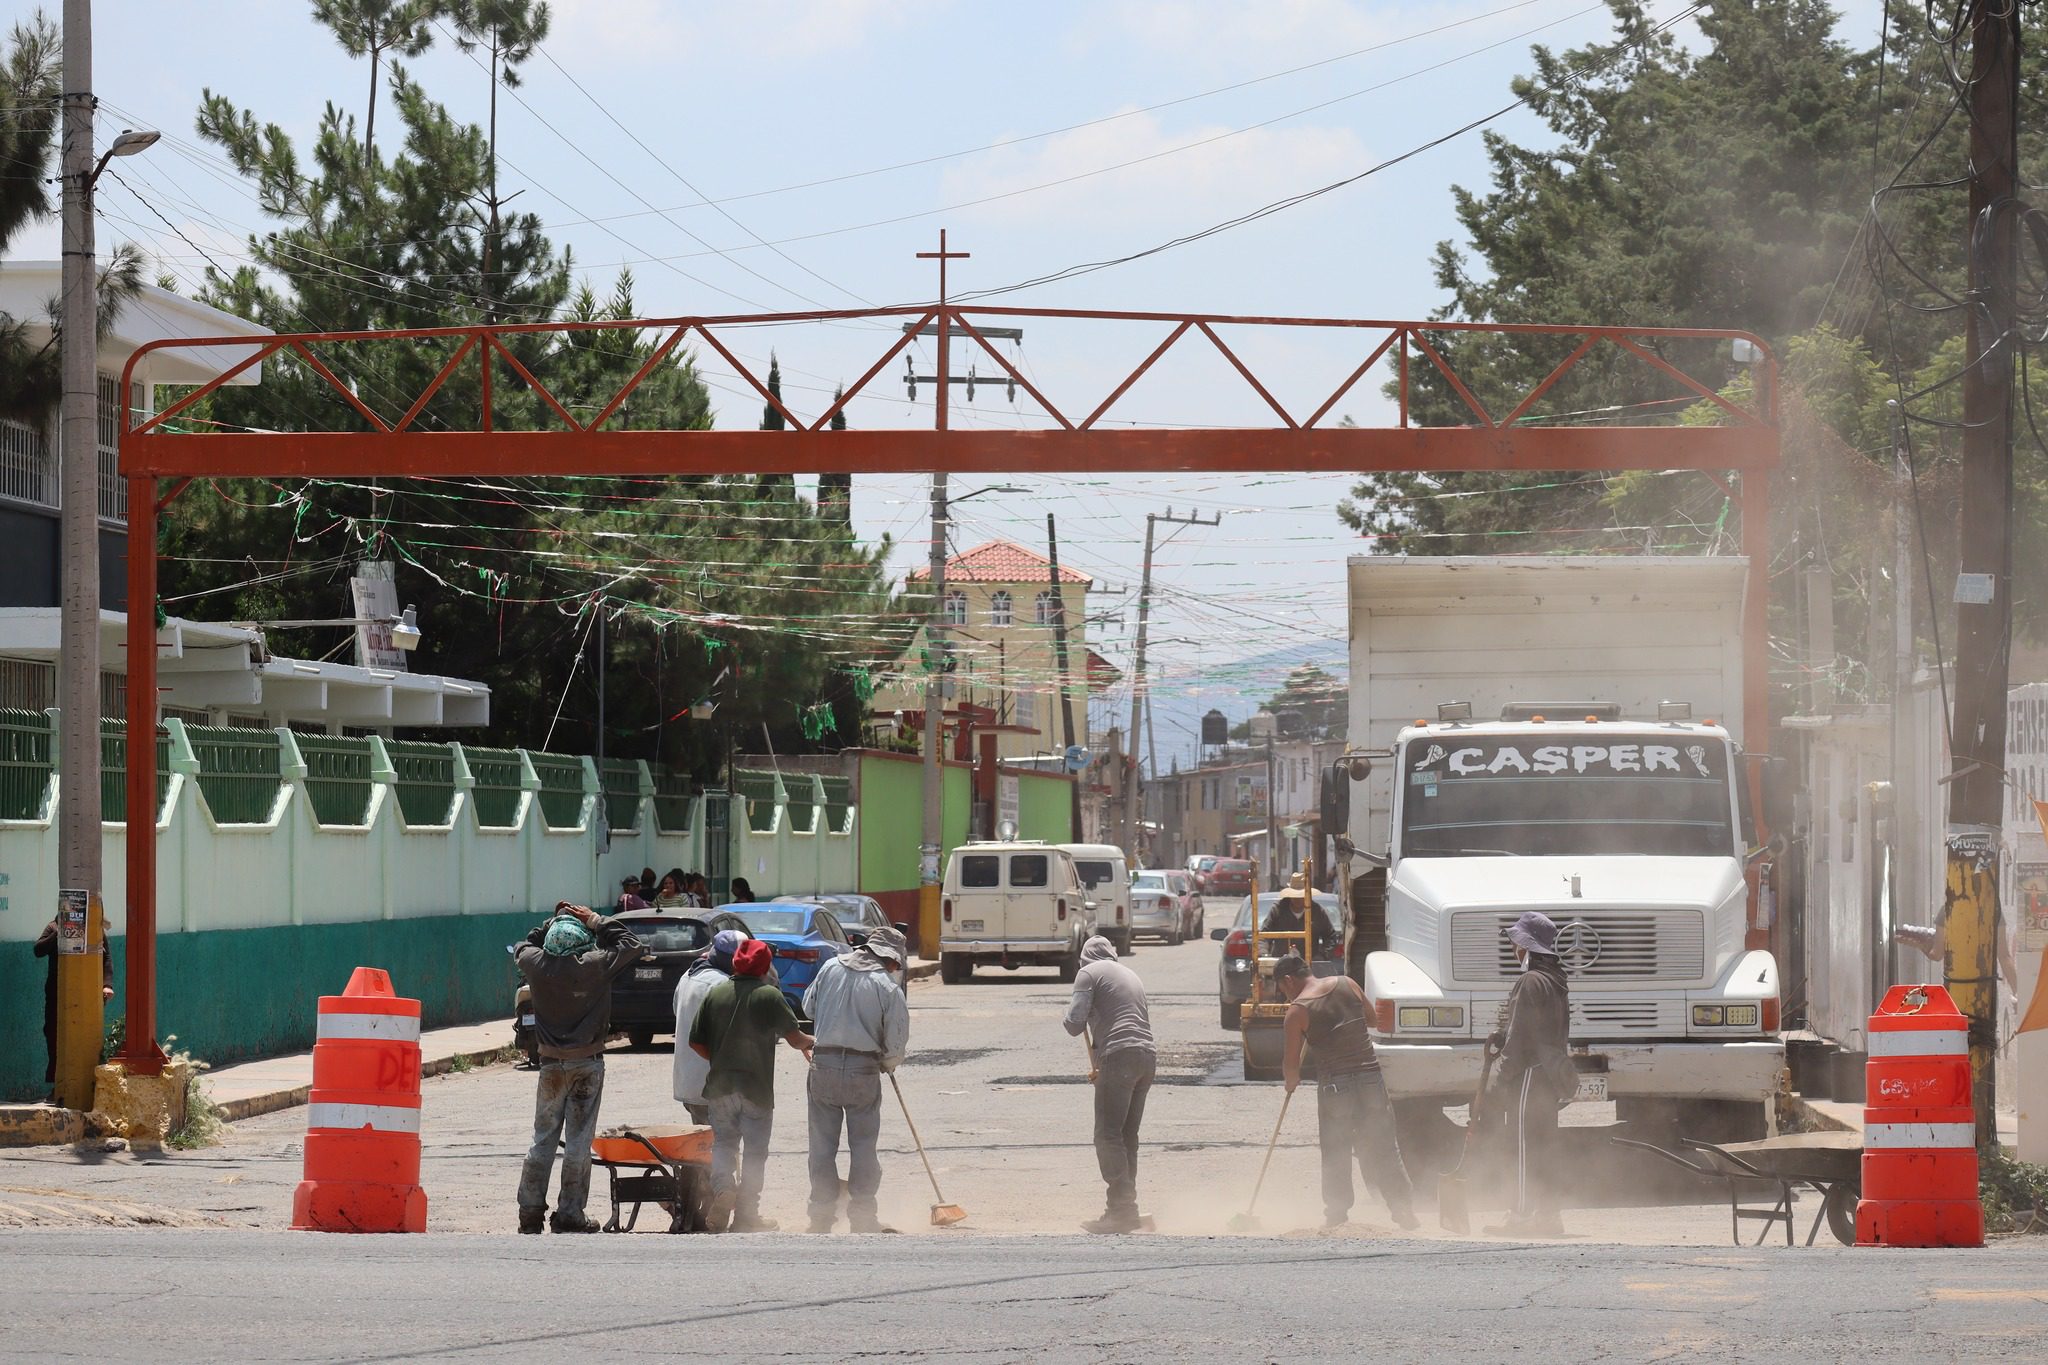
[675, 797]
[114, 769]
[240, 772]
[494, 776]
[838, 802]
[25, 743]
[757, 789]
[620, 778]
[561, 789]
[337, 778]
[426, 780]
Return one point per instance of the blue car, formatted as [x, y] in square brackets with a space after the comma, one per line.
[803, 935]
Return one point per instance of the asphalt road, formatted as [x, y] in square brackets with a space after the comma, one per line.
[963, 1296]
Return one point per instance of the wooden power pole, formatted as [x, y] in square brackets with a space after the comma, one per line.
[1141, 710]
[1059, 637]
[1984, 587]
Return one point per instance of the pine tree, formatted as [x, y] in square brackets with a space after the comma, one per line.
[509, 31]
[371, 28]
[775, 486]
[835, 491]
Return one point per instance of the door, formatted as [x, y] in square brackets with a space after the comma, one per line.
[1029, 896]
[718, 845]
[977, 896]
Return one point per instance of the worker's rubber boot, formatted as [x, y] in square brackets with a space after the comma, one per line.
[531, 1221]
[718, 1212]
[574, 1222]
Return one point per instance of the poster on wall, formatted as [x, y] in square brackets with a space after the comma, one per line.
[2030, 905]
[1008, 804]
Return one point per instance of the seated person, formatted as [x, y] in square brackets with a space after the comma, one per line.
[1285, 918]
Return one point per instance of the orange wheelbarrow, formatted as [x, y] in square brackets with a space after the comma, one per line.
[656, 1164]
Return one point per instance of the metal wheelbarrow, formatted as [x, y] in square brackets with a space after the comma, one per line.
[664, 1165]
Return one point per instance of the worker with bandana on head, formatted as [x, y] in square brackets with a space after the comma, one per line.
[569, 963]
[863, 1024]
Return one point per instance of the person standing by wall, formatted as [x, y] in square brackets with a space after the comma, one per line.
[46, 946]
[1109, 1008]
[569, 963]
[1354, 1118]
[735, 1031]
[863, 1025]
[1535, 1077]
[707, 972]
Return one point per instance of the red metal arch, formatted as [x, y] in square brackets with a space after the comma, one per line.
[153, 452]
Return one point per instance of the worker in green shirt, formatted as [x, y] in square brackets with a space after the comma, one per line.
[736, 1031]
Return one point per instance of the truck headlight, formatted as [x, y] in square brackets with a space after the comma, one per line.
[1741, 1016]
[1447, 1016]
[1707, 1016]
[1413, 1016]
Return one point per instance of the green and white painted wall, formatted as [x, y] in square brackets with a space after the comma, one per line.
[285, 861]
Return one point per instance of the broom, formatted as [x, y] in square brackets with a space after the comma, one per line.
[1246, 1222]
[944, 1215]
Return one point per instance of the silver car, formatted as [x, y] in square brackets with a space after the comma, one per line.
[1155, 914]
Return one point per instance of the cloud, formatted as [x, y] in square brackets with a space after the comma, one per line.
[1224, 33]
[1129, 171]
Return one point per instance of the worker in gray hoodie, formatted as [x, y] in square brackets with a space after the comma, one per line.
[1109, 1010]
[569, 963]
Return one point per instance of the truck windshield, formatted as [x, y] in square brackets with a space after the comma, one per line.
[1608, 794]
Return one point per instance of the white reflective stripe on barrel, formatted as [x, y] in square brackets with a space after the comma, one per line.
[1896, 1135]
[384, 1118]
[394, 1028]
[1919, 1042]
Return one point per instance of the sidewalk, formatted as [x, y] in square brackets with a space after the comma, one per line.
[1843, 1117]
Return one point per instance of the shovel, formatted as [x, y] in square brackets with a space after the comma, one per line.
[1246, 1222]
[1453, 1210]
[944, 1215]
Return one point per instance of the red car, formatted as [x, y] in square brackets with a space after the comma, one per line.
[1225, 877]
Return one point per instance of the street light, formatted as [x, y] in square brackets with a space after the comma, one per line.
[404, 626]
[131, 141]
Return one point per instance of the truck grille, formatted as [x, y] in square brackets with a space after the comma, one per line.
[1595, 945]
[1603, 1017]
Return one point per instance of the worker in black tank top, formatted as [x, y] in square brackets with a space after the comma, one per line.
[1354, 1119]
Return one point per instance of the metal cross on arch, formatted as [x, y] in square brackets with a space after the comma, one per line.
[363, 439]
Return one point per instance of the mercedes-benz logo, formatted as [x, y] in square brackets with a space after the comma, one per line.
[1578, 947]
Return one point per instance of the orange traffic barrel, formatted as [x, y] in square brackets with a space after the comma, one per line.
[1919, 1126]
[362, 1169]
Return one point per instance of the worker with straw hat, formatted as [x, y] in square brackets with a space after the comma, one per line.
[863, 1025]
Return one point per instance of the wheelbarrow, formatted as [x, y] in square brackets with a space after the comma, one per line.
[656, 1164]
[1830, 1164]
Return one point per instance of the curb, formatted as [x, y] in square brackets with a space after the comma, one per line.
[40, 1125]
[1796, 1105]
[250, 1106]
[918, 971]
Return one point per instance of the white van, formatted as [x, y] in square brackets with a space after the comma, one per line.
[1108, 880]
[1011, 905]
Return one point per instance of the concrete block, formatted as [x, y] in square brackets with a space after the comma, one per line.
[39, 1125]
[143, 1109]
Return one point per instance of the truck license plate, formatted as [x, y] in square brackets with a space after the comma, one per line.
[647, 973]
[526, 1021]
[1593, 1088]
[970, 926]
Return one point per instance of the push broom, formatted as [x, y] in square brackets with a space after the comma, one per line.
[944, 1215]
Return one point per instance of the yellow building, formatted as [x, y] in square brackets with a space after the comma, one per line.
[999, 613]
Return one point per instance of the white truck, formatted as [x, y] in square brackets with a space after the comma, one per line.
[1561, 734]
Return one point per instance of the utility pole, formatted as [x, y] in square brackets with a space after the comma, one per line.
[1984, 587]
[1904, 792]
[935, 644]
[1273, 819]
[80, 1018]
[1133, 803]
[1059, 636]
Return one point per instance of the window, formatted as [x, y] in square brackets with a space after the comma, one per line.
[980, 871]
[999, 609]
[113, 489]
[1029, 869]
[1095, 872]
[1045, 608]
[954, 612]
[27, 472]
[1027, 709]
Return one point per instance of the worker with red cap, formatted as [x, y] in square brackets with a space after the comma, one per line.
[736, 1029]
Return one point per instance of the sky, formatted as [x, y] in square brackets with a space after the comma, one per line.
[748, 157]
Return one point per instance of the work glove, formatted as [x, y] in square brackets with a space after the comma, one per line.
[1496, 1040]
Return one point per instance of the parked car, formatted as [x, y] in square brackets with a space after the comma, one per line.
[1234, 969]
[1107, 878]
[802, 935]
[1011, 905]
[857, 914]
[1181, 885]
[1227, 877]
[1155, 913]
[643, 996]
